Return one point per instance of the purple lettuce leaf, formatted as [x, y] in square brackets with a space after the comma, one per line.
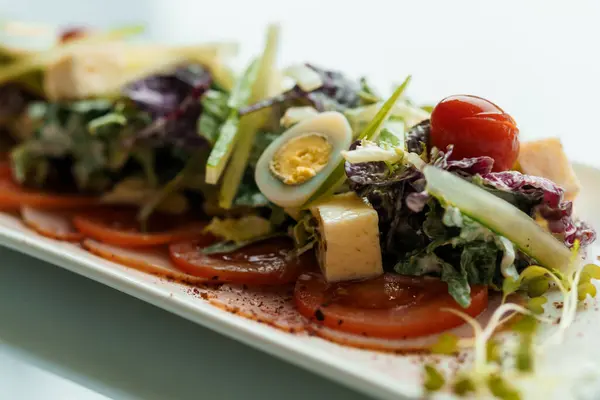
[547, 199]
[336, 94]
[417, 137]
[14, 100]
[173, 102]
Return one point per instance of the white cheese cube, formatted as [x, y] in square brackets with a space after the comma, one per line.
[349, 238]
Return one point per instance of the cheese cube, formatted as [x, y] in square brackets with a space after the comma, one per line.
[349, 238]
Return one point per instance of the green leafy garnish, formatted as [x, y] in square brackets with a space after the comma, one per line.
[338, 175]
[463, 386]
[446, 344]
[502, 389]
[434, 380]
[239, 230]
[225, 247]
[214, 113]
[536, 304]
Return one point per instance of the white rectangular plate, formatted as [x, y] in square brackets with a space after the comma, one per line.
[382, 375]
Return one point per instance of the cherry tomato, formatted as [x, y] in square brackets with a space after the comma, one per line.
[391, 306]
[262, 263]
[476, 127]
[119, 226]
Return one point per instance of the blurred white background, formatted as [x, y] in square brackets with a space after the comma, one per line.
[536, 59]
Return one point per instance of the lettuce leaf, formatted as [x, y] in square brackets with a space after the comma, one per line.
[542, 197]
[173, 102]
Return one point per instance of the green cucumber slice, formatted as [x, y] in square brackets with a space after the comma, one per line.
[499, 216]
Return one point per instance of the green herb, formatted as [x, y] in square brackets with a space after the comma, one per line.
[225, 247]
[493, 351]
[389, 140]
[502, 389]
[176, 184]
[536, 304]
[537, 286]
[446, 344]
[367, 94]
[463, 386]
[478, 249]
[338, 175]
[105, 121]
[240, 230]
[87, 133]
[427, 108]
[214, 113]
[305, 233]
[434, 380]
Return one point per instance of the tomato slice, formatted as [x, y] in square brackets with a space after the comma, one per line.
[154, 260]
[119, 226]
[13, 196]
[391, 306]
[262, 263]
[55, 224]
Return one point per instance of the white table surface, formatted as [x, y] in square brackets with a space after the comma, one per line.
[65, 337]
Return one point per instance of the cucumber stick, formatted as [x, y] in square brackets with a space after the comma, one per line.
[228, 135]
[265, 86]
[499, 216]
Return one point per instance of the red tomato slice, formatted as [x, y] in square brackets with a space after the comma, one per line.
[13, 196]
[391, 306]
[119, 226]
[53, 224]
[262, 263]
[153, 260]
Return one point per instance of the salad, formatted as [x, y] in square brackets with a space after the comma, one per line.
[391, 221]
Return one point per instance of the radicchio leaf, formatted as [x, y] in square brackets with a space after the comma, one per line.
[173, 102]
[417, 137]
[13, 100]
[465, 167]
[548, 200]
[335, 94]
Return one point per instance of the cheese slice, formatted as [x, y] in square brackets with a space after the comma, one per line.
[546, 158]
[349, 238]
[87, 73]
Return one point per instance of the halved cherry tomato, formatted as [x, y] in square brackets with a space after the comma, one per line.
[263, 263]
[391, 306]
[119, 226]
[476, 127]
[13, 196]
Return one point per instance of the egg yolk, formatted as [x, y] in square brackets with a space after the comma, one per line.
[301, 158]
